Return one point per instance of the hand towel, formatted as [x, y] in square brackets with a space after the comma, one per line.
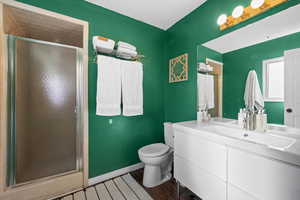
[248, 98]
[108, 86]
[259, 99]
[132, 88]
[210, 92]
[126, 45]
[201, 79]
[126, 53]
[205, 91]
[253, 97]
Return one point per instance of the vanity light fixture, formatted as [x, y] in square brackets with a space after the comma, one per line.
[257, 3]
[238, 12]
[241, 14]
[222, 19]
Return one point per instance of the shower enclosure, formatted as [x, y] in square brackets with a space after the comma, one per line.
[44, 110]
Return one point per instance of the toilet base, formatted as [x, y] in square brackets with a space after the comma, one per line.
[153, 176]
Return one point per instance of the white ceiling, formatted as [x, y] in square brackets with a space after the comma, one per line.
[278, 25]
[160, 13]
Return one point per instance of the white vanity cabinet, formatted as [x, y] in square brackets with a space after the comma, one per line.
[235, 193]
[204, 175]
[262, 177]
[216, 170]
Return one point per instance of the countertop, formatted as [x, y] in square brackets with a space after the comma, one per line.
[289, 155]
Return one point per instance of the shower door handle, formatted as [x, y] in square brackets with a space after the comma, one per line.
[289, 110]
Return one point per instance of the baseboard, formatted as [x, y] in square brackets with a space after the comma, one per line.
[119, 172]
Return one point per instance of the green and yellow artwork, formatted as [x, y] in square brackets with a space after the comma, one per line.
[178, 68]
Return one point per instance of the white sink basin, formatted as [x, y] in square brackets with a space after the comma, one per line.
[222, 120]
[270, 140]
[267, 139]
[284, 130]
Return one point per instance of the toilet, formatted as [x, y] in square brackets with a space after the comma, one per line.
[158, 159]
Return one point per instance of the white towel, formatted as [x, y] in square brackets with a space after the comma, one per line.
[210, 91]
[202, 67]
[103, 46]
[205, 91]
[248, 94]
[108, 86]
[201, 88]
[126, 45]
[253, 96]
[132, 88]
[126, 53]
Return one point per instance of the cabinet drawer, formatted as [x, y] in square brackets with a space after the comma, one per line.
[209, 156]
[237, 194]
[206, 186]
[262, 177]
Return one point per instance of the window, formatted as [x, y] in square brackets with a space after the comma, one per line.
[273, 79]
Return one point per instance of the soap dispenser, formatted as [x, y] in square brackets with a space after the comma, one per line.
[261, 121]
[265, 122]
[241, 118]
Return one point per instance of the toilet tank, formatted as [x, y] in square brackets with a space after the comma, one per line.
[169, 134]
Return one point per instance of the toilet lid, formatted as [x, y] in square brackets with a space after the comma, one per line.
[154, 150]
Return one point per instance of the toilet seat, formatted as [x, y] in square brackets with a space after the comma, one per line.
[154, 150]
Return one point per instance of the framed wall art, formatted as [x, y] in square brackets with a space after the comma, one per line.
[178, 68]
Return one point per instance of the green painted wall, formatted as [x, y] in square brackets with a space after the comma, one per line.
[238, 63]
[184, 37]
[115, 146]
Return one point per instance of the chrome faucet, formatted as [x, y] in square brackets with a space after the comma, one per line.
[248, 122]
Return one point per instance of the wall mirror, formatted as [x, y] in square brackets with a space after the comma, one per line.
[274, 53]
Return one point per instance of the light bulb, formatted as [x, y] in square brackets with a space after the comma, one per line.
[238, 11]
[222, 19]
[257, 3]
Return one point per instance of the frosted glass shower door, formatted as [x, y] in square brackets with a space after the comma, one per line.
[44, 124]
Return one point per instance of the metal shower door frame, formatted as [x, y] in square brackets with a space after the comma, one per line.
[11, 131]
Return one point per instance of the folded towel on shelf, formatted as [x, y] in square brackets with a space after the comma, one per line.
[126, 45]
[205, 91]
[202, 67]
[103, 45]
[108, 86]
[132, 88]
[125, 53]
[209, 68]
